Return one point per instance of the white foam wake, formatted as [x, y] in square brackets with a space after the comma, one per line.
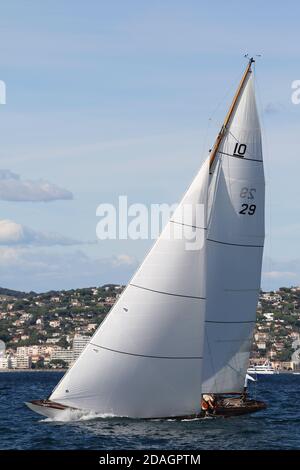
[70, 415]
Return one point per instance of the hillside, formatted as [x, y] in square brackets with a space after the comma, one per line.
[54, 317]
[14, 293]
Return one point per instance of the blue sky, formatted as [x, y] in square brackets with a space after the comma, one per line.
[125, 97]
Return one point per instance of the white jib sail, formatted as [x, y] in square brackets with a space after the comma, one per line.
[235, 238]
[145, 359]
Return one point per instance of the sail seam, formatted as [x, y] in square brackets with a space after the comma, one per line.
[241, 158]
[234, 244]
[145, 355]
[187, 225]
[168, 293]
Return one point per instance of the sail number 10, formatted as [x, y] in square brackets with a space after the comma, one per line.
[248, 209]
[239, 150]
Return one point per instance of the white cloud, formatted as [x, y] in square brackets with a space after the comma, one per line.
[13, 188]
[273, 108]
[41, 269]
[123, 260]
[12, 233]
[280, 273]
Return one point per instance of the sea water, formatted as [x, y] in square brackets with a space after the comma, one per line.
[277, 427]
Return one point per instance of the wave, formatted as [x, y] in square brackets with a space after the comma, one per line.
[71, 415]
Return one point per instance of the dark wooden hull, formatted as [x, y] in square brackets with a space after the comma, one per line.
[236, 407]
[227, 407]
[48, 408]
[49, 404]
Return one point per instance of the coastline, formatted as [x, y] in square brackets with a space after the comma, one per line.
[65, 370]
[32, 370]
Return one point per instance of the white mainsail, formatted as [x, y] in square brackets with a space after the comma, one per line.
[235, 238]
[145, 359]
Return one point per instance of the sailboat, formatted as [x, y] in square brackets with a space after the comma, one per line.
[183, 327]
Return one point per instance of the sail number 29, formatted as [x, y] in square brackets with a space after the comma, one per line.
[248, 209]
[248, 193]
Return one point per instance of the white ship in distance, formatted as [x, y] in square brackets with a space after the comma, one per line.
[264, 369]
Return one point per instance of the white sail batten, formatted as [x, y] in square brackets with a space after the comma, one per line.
[145, 359]
[235, 238]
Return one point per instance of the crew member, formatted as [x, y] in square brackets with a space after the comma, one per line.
[208, 402]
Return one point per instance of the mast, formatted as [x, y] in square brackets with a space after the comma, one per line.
[230, 112]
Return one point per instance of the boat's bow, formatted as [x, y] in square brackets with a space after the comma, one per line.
[49, 408]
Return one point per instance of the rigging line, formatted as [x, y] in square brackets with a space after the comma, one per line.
[238, 141]
[234, 370]
[238, 363]
[145, 355]
[186, 191]
[204, 150]
[187, 225]
[231, 88]
[210, 121]
[229, 132]
[230, 113]
[213, 185]
[229, 183]
[168, 293]
[241, 158]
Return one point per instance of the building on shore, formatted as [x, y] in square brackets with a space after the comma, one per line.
[65, 355]
[18, 361]
[8, 362]
[277, 365]
[79, 343]
[23, 361]
[70, 355]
